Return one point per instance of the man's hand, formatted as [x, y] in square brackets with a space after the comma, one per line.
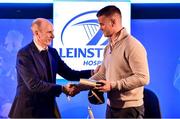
[71, 90]
[104, 86]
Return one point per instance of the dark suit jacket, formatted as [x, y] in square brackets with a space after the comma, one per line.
[35, 95]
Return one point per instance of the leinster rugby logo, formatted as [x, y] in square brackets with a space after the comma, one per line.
[82, 38]
[83, 29]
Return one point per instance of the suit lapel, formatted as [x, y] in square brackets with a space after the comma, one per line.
[51, 62]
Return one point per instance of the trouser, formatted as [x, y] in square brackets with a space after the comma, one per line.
[130, 112]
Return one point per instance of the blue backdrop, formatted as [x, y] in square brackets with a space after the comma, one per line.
[159, 36]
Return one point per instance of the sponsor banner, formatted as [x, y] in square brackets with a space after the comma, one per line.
[78, 39]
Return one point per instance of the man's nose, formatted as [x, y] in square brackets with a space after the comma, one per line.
[52, 36]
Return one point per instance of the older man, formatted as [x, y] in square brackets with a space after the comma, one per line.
[37, 65]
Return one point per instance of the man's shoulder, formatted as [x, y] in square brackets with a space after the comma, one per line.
[26, 48]
[132, 41]
[133, 44]
[52, 50]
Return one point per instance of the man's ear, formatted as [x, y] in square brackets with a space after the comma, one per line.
[36, 32]
[34, 28]
[113, 21]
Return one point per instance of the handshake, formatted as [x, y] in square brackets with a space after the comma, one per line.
[71, 89]
[85, 84]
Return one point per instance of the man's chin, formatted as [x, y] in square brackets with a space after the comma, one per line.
[48, 44]
[106, 36]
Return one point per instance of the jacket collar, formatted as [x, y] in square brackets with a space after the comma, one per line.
[40, 48]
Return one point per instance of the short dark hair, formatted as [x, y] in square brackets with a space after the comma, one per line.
[108, 11]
